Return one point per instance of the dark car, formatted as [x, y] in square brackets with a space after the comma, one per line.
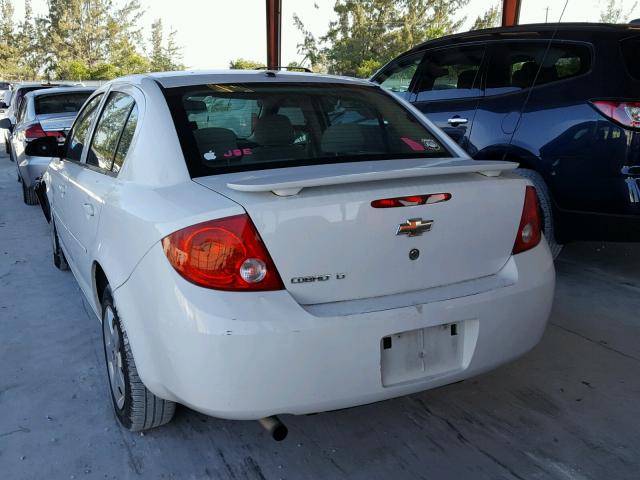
[563, 100]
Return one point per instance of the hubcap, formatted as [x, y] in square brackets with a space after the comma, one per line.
[113, 352]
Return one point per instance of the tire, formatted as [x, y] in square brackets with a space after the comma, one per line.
[544, 197]
[135, 406]
[29, 195]
[59, 260]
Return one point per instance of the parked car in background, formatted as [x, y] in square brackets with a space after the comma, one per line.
[561, 100]
[43, 113]
[18, 92]
[329, 249]
[5, 97]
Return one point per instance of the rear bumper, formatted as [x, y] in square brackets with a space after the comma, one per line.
[32, 168]
[250, 355]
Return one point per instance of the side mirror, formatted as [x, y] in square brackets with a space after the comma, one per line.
[5, 123]
[44, 147]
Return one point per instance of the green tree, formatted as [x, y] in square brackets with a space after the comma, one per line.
[368, 33]
[614, 12]
[9, 52]
[80, 40]
[163, 57]
[490, 18]
[243, 64]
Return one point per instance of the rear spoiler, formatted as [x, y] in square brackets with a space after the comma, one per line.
[290, 181]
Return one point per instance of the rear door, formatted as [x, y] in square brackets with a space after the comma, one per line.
[448, 90]
[91, 181]
[62, 171]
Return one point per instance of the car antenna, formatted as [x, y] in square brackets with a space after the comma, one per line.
[535, 80]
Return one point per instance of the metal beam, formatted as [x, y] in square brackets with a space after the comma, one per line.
[510, 12]
[274, 30]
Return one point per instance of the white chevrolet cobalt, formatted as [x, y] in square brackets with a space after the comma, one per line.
[261, 243]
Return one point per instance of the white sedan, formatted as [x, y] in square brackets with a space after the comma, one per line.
[330, 248]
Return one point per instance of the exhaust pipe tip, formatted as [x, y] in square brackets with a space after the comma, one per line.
[275, 427]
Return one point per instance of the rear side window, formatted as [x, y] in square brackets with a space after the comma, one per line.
[60, 103]
[258, 126]
[125, 139]
[514, 66]
[397, 77]
[631, 55]
[108, 130]
[79, 133]
[451, 73]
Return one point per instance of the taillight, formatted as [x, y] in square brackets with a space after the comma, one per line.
[626, 114]
[35, 130]
[530, 229]
[225, 254]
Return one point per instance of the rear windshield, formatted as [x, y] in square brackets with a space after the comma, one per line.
[631, 55]
[60, 103]
[235, 127]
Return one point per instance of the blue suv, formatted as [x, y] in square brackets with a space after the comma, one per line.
[562, 100]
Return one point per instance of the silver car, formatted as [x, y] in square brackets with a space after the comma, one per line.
[43, 113]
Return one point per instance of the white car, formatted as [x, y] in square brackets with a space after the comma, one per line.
[341, 251]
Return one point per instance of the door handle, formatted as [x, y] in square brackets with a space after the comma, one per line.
[456, 121]
[631, 170]
[88, 208]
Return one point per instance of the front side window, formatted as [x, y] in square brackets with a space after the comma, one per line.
[79, 133]
[108, 129]
[258, 126]
[451, 73]
[398, 76]
[515, 66]
[60, 102]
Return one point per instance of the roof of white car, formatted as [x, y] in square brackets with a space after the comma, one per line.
[202, 77]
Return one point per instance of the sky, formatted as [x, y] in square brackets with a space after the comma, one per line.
[213, 32]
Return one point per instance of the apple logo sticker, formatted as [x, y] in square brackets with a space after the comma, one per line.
[210, 155]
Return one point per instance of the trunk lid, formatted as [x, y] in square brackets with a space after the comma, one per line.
[329, 244]
[56, 122]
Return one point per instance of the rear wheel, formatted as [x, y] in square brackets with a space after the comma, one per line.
[544, 198]
[29, 195]
[135, 406]
[59, 260]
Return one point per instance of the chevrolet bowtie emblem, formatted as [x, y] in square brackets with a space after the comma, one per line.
[414, 227]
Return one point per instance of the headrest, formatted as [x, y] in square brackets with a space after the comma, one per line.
[194, 105]
[218, 140]
[342, 138]
[523, 78]
[466, 78]
[273, 130]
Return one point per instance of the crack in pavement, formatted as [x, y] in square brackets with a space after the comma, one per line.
[596, 342]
